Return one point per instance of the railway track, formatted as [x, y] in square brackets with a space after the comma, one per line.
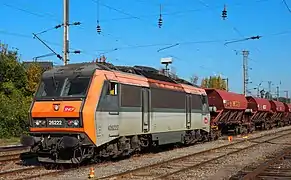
[177, 167]
[9, 157]
[11, 153]
[170, 168]
[12, 148]
[276, 167]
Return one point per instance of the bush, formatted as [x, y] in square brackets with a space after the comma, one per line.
[17, 86]
[13, 114]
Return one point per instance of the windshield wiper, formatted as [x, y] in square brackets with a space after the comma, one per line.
[54, 81]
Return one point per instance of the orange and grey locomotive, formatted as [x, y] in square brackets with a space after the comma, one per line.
[97, 110]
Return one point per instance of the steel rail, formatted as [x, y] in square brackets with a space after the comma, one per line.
[59, 172]
[187, 157]
[261, 169]
[20, 170]
[12, 148]
[9, 157]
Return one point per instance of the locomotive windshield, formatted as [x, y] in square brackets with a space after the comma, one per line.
[60, 87]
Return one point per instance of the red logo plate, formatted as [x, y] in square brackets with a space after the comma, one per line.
[205, 120]
[69, 109]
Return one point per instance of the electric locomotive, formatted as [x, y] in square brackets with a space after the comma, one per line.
[97, 110]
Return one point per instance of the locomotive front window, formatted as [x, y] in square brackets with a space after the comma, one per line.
[50, 87]
[76, 87]
[63, 87]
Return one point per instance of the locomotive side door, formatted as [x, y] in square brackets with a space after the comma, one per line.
[145, 110]
[112, 98]
[188, 110]
[205, 112]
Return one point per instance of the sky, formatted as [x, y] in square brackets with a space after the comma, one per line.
[131, 36]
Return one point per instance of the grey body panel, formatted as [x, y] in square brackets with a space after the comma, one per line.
[168, 137]
[117, 116]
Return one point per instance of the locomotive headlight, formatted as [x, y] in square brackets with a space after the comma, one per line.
[73, 122]
[70, 122]
[37, 122]
[40, 122]
[76, 122]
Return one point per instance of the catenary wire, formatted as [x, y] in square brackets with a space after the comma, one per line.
[174, 13]
[286, 5]
[45, 15]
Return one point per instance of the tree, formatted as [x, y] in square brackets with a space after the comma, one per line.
[33, 72]
[12, 71]
[194, 79]
[215, 82]
[13, 95]
[283, 99]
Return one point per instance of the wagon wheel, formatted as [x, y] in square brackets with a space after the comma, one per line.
[238, 130]
[264, 126]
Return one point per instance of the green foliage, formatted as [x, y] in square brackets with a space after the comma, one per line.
[214, 82]
[33, 73]
[16, 89]
[12, 71]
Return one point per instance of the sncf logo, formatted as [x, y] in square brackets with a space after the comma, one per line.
[205, 120]
[69, 109]
[56, 107]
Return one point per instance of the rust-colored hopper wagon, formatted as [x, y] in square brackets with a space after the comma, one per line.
[227, 111]
[278, 112]
[287, 117]
[260, 111]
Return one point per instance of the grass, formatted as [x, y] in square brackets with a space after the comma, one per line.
[9, 141]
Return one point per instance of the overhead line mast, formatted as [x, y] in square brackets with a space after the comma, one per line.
[66, 32]
[245, 72]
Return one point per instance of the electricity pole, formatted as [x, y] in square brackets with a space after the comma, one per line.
[245, 71]
[270, 83]
[287, 100]
[66, 32]
[277, 94]
[226, 80]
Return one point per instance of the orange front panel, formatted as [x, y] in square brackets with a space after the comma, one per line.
[56, 129]
[66, 109]
[46, 109]
[91, 104]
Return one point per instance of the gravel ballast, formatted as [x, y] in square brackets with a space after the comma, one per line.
[110, 168]
[229, 166]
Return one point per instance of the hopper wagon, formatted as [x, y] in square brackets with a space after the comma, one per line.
[287, 116]
[260, 111]
[277, 114]
[227, 111]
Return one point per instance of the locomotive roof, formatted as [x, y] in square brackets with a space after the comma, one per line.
[89, 68]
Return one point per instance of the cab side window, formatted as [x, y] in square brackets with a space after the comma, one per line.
[109, 100]
[112, 89]
[204, 100]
